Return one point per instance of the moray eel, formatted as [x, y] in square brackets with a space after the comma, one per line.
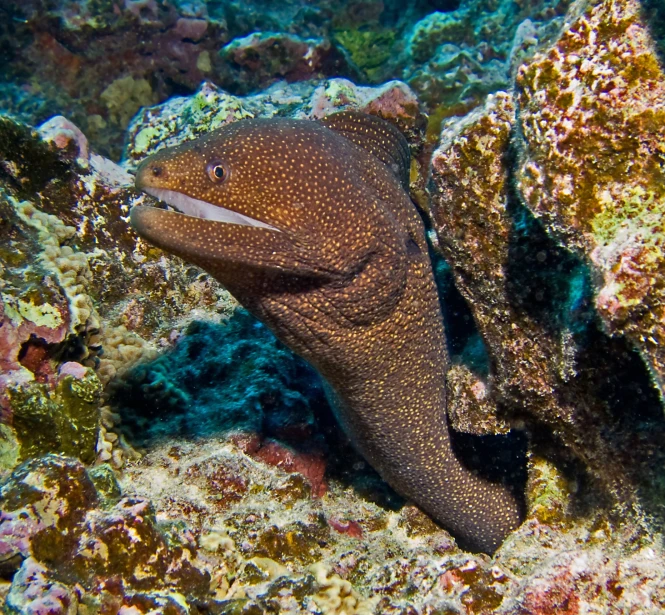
[310, 226]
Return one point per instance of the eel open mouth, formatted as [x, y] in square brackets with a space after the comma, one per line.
[201, 209]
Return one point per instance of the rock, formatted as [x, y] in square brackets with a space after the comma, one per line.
[184, 118]
[530, 300]
[65, 420]
[591, 163]
[35, 591]
[78, 553]
[454, 58]
[259, 59]
[75, 292]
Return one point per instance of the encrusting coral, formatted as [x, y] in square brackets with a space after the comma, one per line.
[530, 301]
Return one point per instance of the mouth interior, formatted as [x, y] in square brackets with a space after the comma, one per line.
[201, 209]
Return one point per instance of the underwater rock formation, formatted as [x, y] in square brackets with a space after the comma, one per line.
[550, 355]
[530, 300]
[73, 544]
[454, 59]
[592, 114]
[77, 289]
[234, 534]
[259, 59]
[184, 118]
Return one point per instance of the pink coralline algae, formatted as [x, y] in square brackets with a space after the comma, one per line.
[311, 465]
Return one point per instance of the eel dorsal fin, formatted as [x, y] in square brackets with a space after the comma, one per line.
[377, 137]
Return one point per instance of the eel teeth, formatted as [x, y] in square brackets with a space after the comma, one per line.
[201, 209]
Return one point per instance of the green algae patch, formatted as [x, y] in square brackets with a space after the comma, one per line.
[9, 448]
[369, 49]
[65, 420]
[548, 492]
[106, 483]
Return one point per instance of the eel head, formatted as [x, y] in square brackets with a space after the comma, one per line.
[274, 207]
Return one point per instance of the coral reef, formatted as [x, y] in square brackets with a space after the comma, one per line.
[227, 533]
[60, 311]
[531, 302]
[184, 118]
[453, 59]
[95, 61]
[73, 550]
[63, 421]
[546, 204]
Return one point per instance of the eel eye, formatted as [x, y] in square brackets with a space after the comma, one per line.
[216, 172]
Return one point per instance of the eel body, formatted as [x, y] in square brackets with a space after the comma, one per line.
[310, 226]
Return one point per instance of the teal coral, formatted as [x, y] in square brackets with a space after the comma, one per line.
[266, 389]
[436, 29]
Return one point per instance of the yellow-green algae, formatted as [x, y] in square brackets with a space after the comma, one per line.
[369, 49]
[64, 420]
[207, 110]
[548, 492]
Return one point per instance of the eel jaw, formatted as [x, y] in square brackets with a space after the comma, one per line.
[204, 210]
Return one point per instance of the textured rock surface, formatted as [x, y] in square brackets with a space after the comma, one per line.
[77, 290]
[229, 531]
[453, 59]
[184, 118]
[591, 165]
[260, 58]
[71, 551]
[530, 300]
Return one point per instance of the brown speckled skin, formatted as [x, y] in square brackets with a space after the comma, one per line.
[346, 282]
